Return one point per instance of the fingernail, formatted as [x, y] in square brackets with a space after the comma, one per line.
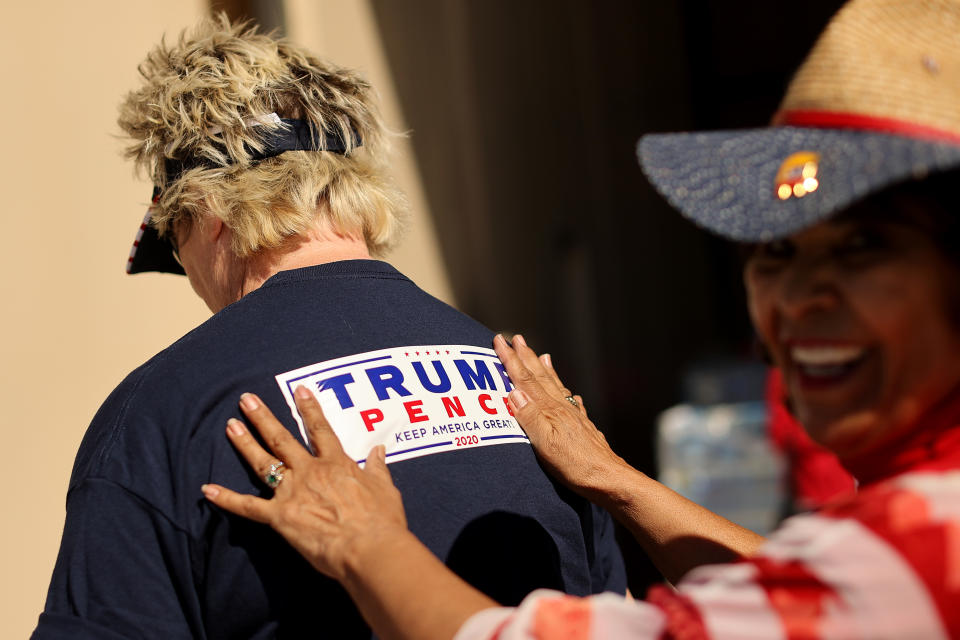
[302, 392]
[518, 339]
[235, 427]
[499, 339]
[249, 402]
[547, 360]
[209, 491]
[518, 398]
[382, 452]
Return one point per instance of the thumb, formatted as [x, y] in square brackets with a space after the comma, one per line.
[527, 413]
[377, 463]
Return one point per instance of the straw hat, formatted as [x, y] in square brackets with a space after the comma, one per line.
[876, 102]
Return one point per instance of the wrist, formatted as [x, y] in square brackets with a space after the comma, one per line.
[614, 486]
[404, 591]
[369, 555]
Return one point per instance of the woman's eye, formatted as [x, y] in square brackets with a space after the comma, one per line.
[771, 256]
[860, 242]
[776, 250]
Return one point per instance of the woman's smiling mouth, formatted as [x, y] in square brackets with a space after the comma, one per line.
[819, 365]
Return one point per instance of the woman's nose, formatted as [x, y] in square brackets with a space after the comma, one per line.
[806, 287]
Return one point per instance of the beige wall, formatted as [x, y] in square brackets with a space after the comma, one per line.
[72, 323]
[346, 33]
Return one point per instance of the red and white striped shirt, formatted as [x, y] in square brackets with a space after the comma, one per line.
[883, 564]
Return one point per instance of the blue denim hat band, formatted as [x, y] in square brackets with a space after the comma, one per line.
[726, 181]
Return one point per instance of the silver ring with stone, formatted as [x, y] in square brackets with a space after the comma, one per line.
[274, 476]
[572, 401]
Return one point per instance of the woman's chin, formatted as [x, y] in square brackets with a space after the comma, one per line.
[846, 435]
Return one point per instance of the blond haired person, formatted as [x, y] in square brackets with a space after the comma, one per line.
[271, 195]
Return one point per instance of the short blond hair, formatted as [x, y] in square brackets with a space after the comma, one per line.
[203, 99]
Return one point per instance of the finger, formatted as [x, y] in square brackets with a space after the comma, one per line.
[549, 381]
[322, 437]
[527, 355]
[522, 377]
[256, 456]
[547, 361]
[250, 507]
[377, 463]
[280, 441]
[583, 409]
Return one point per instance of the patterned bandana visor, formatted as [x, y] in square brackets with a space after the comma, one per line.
[150, 252]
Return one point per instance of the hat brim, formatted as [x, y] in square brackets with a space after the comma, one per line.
[725, 181]
[150, 252]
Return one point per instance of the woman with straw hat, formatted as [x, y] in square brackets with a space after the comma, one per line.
[849, 209]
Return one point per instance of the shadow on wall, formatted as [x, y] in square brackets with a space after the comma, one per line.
[269, 14]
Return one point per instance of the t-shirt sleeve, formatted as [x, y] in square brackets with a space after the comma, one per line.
[608, 572]
[120, 572]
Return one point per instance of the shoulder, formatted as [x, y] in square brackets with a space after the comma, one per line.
[902, 506]
[136, 423]
[874, 565]
[110, 421]
[902, 520]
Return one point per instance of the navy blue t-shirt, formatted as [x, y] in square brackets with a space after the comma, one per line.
[143, 554]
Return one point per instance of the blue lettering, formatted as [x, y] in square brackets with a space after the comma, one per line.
[507, 385]
[441, 387]
[473, 379]
[339, 386]
[456, 427]
[384, 378]
[412, 434]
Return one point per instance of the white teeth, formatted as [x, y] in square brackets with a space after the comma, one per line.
[826, 355]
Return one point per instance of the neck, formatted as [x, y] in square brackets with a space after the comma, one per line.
[318, 246]
[932, 443]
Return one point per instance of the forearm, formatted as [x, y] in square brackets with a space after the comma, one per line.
[405, 593]
[676, 534]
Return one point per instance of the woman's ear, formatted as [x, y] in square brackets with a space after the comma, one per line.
[212, 227]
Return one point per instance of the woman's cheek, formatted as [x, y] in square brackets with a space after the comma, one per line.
[760, 309]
